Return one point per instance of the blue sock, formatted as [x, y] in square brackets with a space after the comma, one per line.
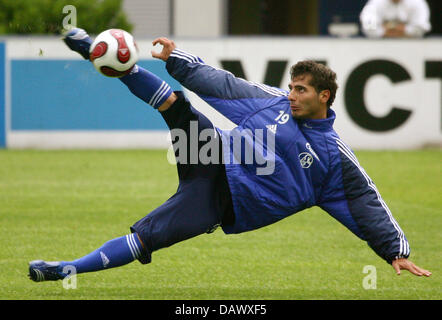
[147, 86]
[114, 253]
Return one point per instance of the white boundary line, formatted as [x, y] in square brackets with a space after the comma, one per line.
[94, 139]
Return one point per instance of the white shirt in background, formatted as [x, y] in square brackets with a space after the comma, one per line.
[415, 14]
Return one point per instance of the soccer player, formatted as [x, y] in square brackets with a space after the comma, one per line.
[307, 164]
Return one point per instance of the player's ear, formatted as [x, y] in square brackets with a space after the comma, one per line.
[324, 95]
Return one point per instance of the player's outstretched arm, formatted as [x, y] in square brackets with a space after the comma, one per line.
[405, 264]
[233, 97]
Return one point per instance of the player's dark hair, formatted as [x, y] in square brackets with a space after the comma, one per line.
[323, 78]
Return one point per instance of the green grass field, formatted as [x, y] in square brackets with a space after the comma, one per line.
[60, 205]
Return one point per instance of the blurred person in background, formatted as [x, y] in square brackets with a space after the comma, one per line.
[395, 18]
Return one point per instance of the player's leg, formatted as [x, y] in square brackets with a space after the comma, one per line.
[149, 88]
[141, 82]
[113, 253]
[193, 210]
[154, 91]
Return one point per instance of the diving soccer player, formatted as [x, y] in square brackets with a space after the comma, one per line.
[306, 163]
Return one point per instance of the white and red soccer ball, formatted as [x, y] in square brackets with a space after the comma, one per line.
[114, 53]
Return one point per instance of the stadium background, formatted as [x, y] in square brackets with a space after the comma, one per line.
[52, 99]
[388, 88]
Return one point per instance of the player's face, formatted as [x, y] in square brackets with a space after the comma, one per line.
[305, 102]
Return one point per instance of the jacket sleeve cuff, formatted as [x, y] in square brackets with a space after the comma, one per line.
[395, 257]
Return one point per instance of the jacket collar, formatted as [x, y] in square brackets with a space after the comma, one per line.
[319, 124]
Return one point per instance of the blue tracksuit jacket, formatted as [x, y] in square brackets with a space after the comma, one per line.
[311, 165]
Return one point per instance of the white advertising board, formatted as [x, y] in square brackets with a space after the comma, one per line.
[389, 94]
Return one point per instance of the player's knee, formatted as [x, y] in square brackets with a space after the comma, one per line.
[168, 103]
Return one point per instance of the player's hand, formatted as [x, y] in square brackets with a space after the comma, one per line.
[395, 31]
[168, 47]
[405, 264]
